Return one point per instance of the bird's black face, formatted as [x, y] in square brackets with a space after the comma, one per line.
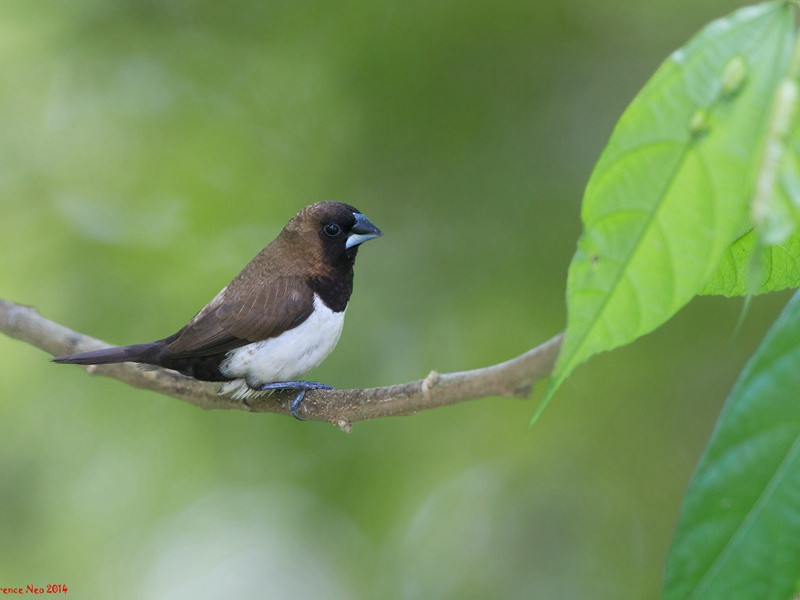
[342, 229]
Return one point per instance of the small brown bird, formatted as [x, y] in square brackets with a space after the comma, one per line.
[279, 317]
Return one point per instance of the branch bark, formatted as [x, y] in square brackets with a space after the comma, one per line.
[513, 377]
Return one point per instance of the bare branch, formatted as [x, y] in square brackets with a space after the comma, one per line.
[514, 377]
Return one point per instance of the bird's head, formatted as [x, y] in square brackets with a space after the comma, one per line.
[333, 230]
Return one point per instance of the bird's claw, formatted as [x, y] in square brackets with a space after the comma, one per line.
[301, 387]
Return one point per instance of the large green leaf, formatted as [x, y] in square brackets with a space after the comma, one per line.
[738, 535]
[670, 192]
[767, 257]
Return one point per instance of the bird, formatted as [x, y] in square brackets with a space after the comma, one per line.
[276, 320]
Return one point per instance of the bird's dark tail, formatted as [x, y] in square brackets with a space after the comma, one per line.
[137, 353]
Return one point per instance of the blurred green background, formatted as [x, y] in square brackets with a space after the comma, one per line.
[150, 148]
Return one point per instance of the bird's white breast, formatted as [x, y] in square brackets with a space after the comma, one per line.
[286, 356]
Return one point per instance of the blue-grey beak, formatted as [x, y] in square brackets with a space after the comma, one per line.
[362, 231]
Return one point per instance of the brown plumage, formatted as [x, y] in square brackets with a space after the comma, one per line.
[304, 276]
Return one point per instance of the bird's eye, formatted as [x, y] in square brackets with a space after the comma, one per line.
[332, 229]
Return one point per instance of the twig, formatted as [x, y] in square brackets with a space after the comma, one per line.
[514, 377]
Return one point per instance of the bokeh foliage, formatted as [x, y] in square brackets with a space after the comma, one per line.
[149, 149]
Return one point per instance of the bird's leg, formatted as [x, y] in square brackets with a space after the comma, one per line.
[300, 386]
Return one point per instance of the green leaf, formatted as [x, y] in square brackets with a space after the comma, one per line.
[776, 202]
[767, 257]
[671, 190]
[749, 269]
[738, 535]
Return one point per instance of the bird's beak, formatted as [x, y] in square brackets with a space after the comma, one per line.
[362, 231]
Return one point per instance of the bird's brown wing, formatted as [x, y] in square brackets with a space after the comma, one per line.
[226, 324]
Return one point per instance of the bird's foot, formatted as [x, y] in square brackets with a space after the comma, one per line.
[301, 387]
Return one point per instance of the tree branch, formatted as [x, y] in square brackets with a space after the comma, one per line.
[514, 377]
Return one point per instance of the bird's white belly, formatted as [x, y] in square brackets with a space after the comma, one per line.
[285, 357]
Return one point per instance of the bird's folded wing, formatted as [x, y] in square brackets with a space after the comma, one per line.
[233, 320]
